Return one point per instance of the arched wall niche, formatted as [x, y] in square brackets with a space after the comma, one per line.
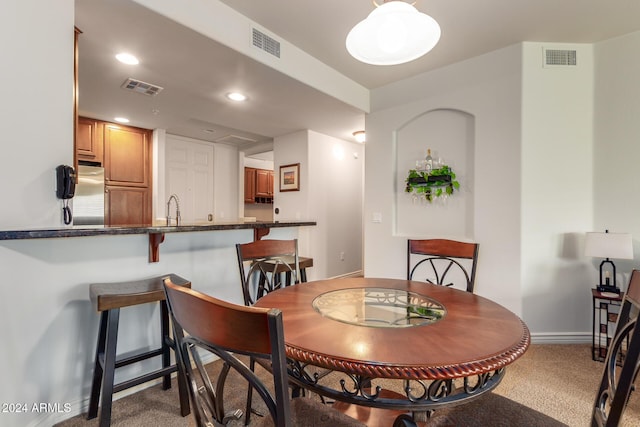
[450, 134]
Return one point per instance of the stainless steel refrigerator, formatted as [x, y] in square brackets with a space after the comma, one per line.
[88, 202]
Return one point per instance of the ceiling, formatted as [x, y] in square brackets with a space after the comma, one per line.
[195, 71]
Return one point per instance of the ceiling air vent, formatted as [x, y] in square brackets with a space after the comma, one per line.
[266, 43]
[141, 87]
[235, 140]
[559, 57]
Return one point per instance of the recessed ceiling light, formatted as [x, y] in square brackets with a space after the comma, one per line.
[121, 120]
[236, 96]
[127, 58]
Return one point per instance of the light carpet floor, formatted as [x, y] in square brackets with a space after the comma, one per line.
[559, 381]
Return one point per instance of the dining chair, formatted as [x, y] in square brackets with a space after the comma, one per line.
[203, 324]
[443, 262]
[267, 265]
[622, 362]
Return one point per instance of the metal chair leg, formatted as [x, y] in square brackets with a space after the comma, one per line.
[109, 366]
[98, 372]
[166, 349]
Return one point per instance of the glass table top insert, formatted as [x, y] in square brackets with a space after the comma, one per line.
[379, 307]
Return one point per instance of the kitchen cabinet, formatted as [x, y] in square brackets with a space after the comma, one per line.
[249, 185]
[126, 155]
[258, 185]
[127, 205]
[124, 152]
[89, 145]
[264, 183]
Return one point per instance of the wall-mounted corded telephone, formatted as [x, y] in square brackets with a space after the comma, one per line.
[66, 188]
[66, 177]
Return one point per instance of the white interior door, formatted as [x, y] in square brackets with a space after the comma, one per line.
[189, 175]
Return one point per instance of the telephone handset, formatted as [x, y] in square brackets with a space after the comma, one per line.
[65, 189]
[66, 178]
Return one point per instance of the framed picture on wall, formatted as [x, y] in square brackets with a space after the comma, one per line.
[290, 177]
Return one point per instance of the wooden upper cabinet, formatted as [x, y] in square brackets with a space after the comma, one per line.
[126, 155]
[258, 185]
[88, 140]
[264, 184]
[249, 185]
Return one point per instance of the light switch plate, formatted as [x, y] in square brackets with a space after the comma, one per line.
[377, 217]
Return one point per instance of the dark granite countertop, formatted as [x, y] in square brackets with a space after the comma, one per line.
[79, 231]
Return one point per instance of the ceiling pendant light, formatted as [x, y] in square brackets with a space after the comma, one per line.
[394, 33]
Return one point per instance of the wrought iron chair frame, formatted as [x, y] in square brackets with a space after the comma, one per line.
[618, 382]
[269, 260]
[435, 250]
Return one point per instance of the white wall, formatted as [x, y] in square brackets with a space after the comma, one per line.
[616, 175]
[258, 163]
[539, 181]
[487, 88]
[36, 102]
[331, 175]
[557, 205]
[226, 189]
[335, 197]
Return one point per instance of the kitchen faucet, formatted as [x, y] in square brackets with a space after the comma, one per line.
[174, 197]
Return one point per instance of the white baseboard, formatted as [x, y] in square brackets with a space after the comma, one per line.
[358, 273]
[561, 338]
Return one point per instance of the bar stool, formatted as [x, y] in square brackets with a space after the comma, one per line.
[108, 299]
[303, 262]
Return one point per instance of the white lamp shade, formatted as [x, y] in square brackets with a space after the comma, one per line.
[609, 245]
[394, 33]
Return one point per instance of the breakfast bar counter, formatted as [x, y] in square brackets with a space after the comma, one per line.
[156, 232]
[47, 274]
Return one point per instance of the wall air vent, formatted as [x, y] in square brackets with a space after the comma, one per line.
[266, 43]
[141, 87]
[559, 57]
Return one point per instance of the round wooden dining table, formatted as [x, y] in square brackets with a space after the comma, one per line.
[445, 346]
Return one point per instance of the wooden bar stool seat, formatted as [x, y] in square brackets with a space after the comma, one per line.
[108, 299]
[303, 262]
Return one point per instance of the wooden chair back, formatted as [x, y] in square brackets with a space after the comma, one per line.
[621, 364]
[267, 265]
[203, 323]
[443, 262]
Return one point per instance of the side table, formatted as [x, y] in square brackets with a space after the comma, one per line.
[606, 308]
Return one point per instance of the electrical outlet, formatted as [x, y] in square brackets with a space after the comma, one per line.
[341, 256]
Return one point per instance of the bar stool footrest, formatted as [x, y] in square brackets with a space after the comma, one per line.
[132, 359]
[144, 378]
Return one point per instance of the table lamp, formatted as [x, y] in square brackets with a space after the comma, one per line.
[608, 245]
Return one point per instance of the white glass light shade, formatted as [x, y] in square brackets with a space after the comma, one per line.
[360, 136]
[394, 33]
[609, 245]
